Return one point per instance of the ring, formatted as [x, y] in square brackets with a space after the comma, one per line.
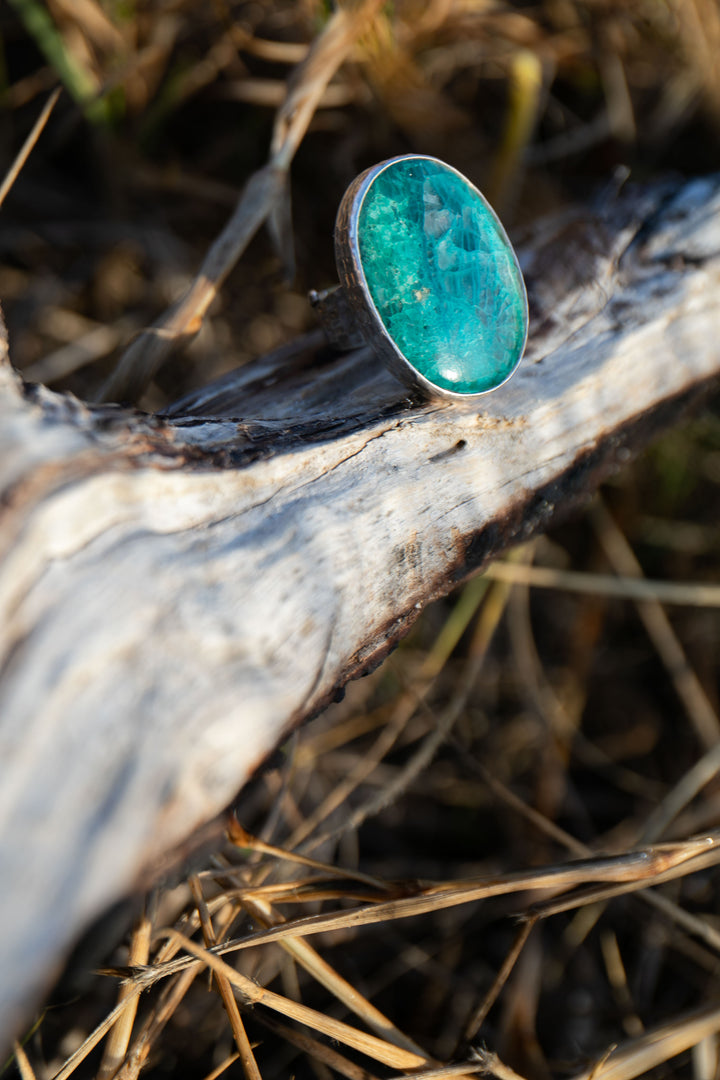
[428, 279]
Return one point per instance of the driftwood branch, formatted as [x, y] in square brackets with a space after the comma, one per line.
[177, 592]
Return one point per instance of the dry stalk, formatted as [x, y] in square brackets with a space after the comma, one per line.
[383, 1051]
[404, 710]
[693, 924]
[303, 953]
[491, 1064]
[247, 1058]
[119, 1038]
[617, 977]
[545, 700]
[487, 623]
[445, 1072]
[617, 874]
[654, 1047]
[326, 1055]
[100, 1031]
[600, 894]
[687, 685]
[229, 1060]
[243, 839]
[155, 1024]
[26, 149]
[477, 1019]
[623, 588]
[308, 890]
[151, 1029]
[684, 791]
[24, 1067]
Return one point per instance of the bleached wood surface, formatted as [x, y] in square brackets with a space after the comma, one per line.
[177, 593]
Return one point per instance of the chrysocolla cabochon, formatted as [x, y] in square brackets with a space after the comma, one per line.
[442, 275]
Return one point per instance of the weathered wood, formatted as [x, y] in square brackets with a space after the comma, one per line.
[176, 593]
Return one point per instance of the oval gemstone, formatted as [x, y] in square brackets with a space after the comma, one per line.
[442, 275]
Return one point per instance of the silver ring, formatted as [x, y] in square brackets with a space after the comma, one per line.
[428, 279]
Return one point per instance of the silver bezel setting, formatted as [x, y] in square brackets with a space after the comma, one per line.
[357, 293]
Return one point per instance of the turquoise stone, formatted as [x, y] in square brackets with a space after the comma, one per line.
[442, 275]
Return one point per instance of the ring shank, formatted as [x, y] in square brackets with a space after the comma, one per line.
[336, 318]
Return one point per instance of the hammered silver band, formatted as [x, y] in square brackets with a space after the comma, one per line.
[335, 314]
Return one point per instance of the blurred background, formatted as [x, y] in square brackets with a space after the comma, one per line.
[166, 110]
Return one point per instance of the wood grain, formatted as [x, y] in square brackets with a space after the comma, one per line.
[177, 592]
